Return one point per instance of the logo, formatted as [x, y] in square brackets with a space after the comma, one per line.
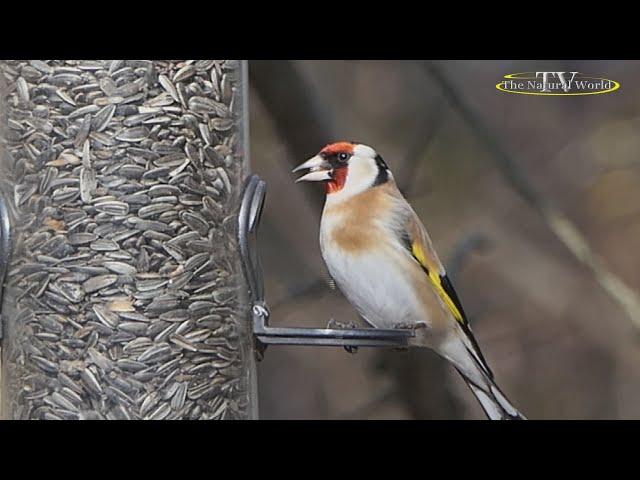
[556, 83]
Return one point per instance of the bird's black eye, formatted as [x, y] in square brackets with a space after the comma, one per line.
[343, 157]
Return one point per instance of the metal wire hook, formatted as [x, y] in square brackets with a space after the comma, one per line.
[5, 250]
[248, 220]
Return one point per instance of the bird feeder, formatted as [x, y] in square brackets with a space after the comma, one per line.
[123, 296]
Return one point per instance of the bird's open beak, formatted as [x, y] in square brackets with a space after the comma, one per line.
[319, 170]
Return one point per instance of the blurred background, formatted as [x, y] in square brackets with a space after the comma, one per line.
[533, 204]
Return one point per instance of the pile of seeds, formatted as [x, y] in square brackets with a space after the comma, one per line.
[123, 297]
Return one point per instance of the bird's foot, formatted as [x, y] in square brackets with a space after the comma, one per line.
[259, 349]
[411, 326]
[334, 324]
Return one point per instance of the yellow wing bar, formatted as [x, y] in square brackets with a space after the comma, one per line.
[436, 281]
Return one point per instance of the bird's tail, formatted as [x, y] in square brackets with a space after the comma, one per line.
[494, 403]
[469, 362]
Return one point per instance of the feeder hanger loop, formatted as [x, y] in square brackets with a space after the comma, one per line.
[5, 250]
[248, 219]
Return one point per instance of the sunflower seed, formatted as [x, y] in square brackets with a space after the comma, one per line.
[133, 135]
[112, 207]
[208, 106]
[120, 267]
[195, 222]
[160, 413]
[104, 245]
[23, 89]
[41, 66]
[82, 111]
[154, 209]
[87, 184]
[98, 283]
[90, 382]
[105, 316]
[169, 87]
[184, 73]
[103, 117]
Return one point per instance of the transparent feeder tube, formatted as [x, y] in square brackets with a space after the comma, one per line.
[124, 297]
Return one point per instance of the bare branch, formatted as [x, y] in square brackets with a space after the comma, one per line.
[419, 147]
[474, 242]
[300, 118]
[557, 222]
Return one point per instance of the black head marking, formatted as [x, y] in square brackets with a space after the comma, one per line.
[381, 163]
[383, 171]
[334, 159]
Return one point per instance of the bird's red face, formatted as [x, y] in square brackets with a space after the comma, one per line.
[345, 167]
[330, 165]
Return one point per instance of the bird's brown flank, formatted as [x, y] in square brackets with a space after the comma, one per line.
[358, 212]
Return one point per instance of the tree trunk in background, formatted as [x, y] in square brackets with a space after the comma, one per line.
[304, 125]
[300, 118]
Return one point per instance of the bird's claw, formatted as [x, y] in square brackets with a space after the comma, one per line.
[334, 324]
[259, 349]
[411, 326]
[408, 326]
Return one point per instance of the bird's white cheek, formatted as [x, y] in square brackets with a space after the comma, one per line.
[359, 177]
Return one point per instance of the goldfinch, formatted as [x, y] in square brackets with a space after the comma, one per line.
[382, 259]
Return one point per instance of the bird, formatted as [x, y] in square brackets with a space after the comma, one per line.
[382, 259]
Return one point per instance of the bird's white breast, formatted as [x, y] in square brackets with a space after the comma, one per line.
[374, 280]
